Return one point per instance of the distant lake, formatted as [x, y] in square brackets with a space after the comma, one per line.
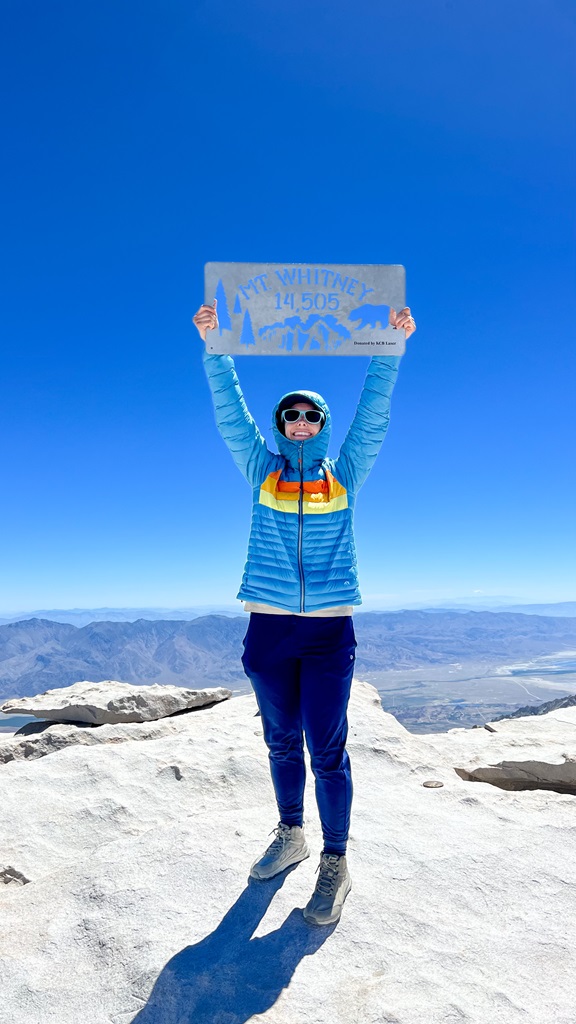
[553, 665]
[549, 669]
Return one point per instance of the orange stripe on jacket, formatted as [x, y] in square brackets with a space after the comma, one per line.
[319, 495]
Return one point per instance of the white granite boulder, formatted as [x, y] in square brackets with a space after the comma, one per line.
[111, 701]
[535, 752]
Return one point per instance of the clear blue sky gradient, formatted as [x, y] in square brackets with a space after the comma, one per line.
[146, 139]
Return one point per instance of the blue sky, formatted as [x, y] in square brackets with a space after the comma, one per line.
[146, 139]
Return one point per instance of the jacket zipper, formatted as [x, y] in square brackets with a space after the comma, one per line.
[301, 525]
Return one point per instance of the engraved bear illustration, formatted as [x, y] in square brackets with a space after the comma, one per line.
[370, 315]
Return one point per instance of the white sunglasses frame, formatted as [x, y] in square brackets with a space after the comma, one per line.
[303, 416]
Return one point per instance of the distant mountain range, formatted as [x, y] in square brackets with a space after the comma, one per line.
[400, 640]
[83, 616]
[562, 608]
[540, 709]
[38, 654]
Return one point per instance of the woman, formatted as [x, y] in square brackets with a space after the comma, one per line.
[300, 585]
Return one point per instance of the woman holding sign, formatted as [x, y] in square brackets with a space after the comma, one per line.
[300, 585]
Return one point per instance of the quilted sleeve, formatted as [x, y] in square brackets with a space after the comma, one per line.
[368, 428]
[238, 429]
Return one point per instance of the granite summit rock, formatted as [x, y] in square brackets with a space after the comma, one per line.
[126, 897]
[110, 701]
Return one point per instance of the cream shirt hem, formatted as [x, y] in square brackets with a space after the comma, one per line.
[323, 613]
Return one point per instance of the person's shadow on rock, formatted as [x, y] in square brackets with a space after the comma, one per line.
[228, 977]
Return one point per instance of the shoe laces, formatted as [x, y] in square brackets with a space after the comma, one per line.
[282, 833]
[328, 868]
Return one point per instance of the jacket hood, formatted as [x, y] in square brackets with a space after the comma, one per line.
[315, 448]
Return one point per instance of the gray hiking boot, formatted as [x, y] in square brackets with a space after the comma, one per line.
[289, 847]
[333, 885]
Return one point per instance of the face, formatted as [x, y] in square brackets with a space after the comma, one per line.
[302, 430]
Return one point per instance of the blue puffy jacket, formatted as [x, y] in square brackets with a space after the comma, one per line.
[301, 553]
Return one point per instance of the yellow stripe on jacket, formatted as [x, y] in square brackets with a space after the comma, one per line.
[319, 496]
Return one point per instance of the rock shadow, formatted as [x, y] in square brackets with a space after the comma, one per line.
[228, 977]
[43, 725]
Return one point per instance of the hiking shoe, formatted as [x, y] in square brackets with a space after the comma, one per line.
[333, 885]
[289, 847]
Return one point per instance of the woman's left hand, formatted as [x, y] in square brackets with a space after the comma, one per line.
[403, 319]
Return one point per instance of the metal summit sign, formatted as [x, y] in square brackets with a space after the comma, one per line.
[316, 309]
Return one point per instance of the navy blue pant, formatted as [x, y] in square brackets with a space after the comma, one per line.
[301, 671]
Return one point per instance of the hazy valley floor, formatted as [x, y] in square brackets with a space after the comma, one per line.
[435, 698]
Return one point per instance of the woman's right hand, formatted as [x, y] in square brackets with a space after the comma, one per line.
[206, 319]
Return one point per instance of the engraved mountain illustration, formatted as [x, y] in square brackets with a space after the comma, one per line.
[324, 333]
[316, 332]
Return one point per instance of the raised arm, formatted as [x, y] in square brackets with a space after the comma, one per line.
[238, 429]
[368, 428]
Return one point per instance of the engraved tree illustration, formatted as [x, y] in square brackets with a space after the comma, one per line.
[224, 320]
[247, 335]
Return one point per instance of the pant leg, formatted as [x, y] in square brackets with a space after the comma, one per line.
[327, 667]
[274, 672]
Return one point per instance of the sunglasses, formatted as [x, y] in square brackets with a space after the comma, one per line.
[310, 415]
